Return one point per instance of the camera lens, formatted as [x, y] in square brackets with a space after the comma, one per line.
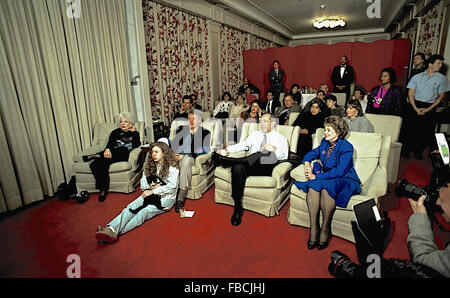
[341, 266]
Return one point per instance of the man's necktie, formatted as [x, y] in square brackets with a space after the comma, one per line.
[264, 142]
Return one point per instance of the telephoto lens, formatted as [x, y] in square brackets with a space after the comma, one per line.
[341, 266]
[406, 189]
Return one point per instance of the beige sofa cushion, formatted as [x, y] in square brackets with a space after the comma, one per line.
[367, 148]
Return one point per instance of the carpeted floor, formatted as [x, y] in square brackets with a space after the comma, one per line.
[37, 240]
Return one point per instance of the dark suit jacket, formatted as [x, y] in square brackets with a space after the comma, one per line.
[252, 87]
[275, 104]
[346, 80]
[276, 82]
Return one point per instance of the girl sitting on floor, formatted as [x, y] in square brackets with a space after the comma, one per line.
[160, 165]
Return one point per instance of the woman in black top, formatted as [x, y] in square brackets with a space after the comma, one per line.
[296, 94]
[121, 142]
[308, 123]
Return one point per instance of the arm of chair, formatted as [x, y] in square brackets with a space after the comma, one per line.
[281, 173]
[135, 158]
[77, 157]
[376, 186]
[203, 162]
[298, 173]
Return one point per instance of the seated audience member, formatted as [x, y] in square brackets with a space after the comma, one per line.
[321, 96]
[283, 113]
[331, 184]
[335, 110]
[190, 141]
[249, 96]
[195, 104]
[296, 94]
[254, 113]
[243, 88]
[186, 104]
[324, 87]
[266, 148]
[359, 94]
[155, 198]
[120, 143]
[270, 105]
[309, 122]
[238, 107]
[388, 97]
[236, 117]
[355, 117]
[223, 107]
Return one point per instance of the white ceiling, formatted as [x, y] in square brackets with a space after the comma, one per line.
[293, 19]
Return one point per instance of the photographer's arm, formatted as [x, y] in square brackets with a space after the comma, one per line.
[421, 243]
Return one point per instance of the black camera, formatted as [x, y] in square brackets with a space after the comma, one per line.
[431, 192]
[439, 178]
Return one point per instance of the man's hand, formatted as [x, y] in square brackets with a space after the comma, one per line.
[222, 152]
[107, 153]
[270, 148]
[304, 131]
[418, 206]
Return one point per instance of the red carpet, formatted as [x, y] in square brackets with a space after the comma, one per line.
[36, 241]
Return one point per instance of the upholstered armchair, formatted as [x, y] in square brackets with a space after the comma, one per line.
[263, 194]
[203, 170]
[389, 125]
[124, 175]
[370, 157]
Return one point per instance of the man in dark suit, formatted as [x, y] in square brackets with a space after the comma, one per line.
[243, 88]
[342, 77]
[270, 104]
[276, 76]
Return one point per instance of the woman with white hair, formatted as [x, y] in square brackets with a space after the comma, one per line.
[121, 142]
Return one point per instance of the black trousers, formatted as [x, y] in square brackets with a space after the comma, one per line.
[256, 164]
[422, 129]
[100, 167]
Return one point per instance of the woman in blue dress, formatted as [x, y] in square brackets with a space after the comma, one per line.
[330, 183]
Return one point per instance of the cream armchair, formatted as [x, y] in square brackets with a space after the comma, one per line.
[370, 157]
[203, 170]
[124, 175]
[263, 194]
[389, 125]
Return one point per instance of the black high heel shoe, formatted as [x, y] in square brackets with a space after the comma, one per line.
[324, 245]
[312, 244]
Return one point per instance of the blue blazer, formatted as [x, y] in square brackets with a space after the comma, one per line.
[340, 162]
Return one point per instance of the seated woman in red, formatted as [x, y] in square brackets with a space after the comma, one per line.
[332, 183]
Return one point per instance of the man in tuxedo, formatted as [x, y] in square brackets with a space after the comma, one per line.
[270, 104]
[342, 77]
[276, 76]
[244, 87]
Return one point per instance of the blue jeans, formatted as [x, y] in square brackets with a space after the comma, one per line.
[126, 220]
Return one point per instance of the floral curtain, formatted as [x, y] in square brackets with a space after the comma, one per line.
[177, 59]
[233, 43]
[262, 44]
[430, 30]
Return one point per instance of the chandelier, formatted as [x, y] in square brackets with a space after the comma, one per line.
[329, 23]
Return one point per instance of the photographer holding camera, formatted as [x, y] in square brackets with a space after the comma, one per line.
[421, 243]
[426, 259]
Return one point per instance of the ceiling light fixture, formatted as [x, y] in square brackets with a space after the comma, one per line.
[328, 23]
